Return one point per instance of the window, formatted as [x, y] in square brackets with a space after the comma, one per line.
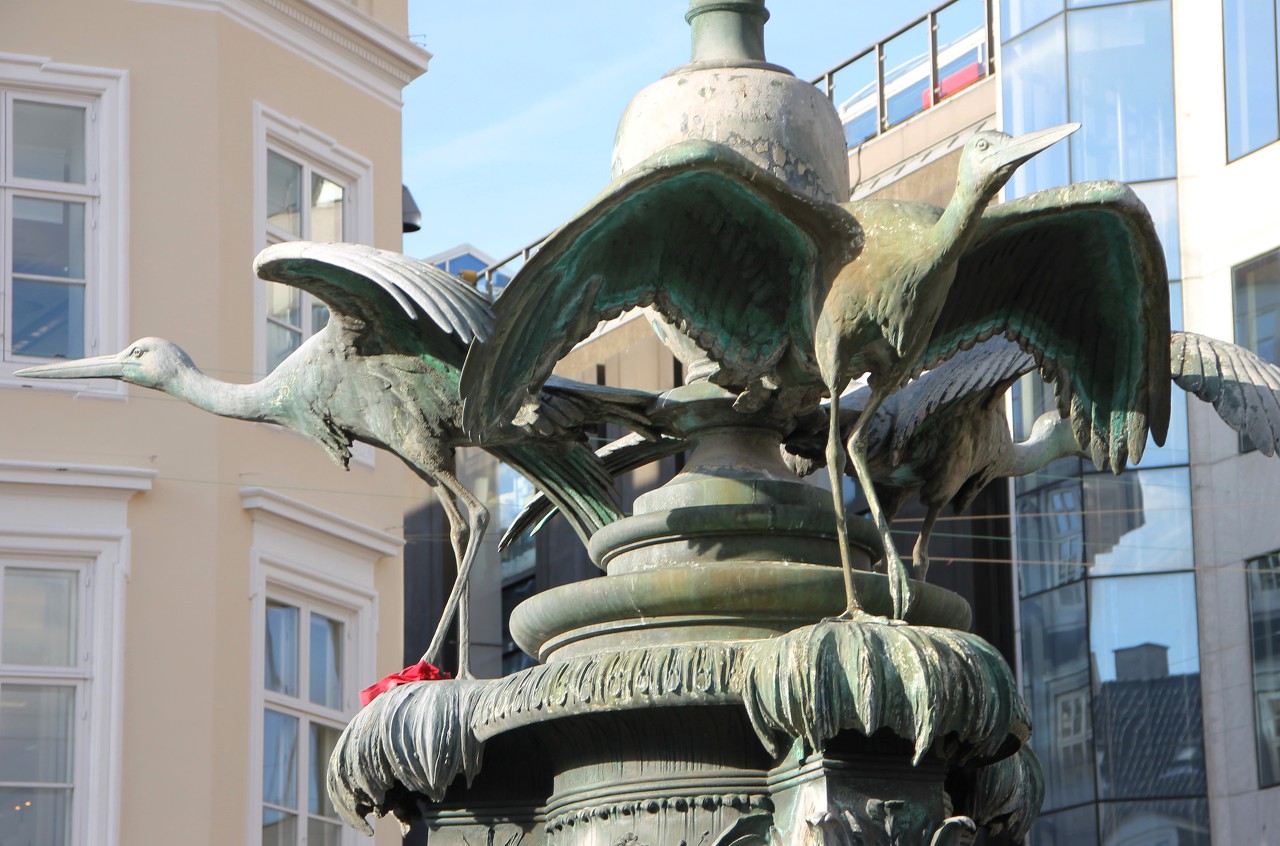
[1264, 623]
[61, 642]
[42, 686]
[312, 189]
[1256, 285]
[62, 180]
[1253, 93]
[302, 203]
[315, 625]
[308, 701]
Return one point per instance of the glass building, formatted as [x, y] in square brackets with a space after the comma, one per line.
[1146, 606]
[1110, 661]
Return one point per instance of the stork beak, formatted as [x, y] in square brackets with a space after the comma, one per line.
[1023, 147]
[98, 367]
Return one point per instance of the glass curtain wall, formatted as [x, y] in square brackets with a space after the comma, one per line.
[1110, 662]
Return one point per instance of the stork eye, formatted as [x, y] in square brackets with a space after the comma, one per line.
[982, 144]
[136, 352]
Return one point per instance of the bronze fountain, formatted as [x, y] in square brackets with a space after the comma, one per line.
[742, 675]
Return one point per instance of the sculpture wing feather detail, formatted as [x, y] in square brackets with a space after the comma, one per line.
[397, 299]
[988, 368]
[1244, 389]
[628, 453]
[728, 253]
[1077, 277]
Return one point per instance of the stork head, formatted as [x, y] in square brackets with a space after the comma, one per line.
[989, 158]
[149, 362]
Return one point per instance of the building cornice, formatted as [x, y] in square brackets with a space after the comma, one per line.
[257, 500]
[127, 480]
[333, 34]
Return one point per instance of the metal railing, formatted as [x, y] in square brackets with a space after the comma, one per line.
[921, 64]
[494, 281]
[924, 62]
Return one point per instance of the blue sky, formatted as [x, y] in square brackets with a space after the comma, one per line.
[510, 131]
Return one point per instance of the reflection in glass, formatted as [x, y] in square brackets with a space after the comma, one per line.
[1057, 687]
[48, 319]
[1077, 827]
[1017, 16]
[1050, 537]
[1035, 97]
[1138, 522]
[962, 45]
[1148, 725]
[1257, 302]
[40, 617]
[284, 194]
[282, 648]
[281, 341]
[279, 828]
[40, 816]
[514, 493]
[1175, 450]
[319, 316]
[1121, 60]
[48, 142]
[1264, 625]
[1178, 822]
[1249, 50]
[326, 209]
[1148, 610]
[323, 741]
[855, 94]
[1161, 199]
[36, 733]
[906, 73]
[325, 676]
[279, 759]
[322, 833]
[48, 238]
[284, 303]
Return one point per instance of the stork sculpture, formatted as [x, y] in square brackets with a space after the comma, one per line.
[793, 297]
[384, 371]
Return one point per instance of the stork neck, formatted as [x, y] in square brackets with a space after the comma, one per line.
[1051, 439]
[254, 401]
[959, 222]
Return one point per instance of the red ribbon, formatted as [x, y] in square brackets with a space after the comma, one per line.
[421, 671]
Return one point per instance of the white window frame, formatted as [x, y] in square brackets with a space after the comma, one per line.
[317, 152]
[320, 153]
[303, 554]
[61, 516]
[104, 92]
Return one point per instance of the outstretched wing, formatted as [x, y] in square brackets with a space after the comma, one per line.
[728, 253]
[1077, 277]
[1244, 389]
[628, 453]
[388, 301]
[569, 405]
[571, 477]
[972, 375]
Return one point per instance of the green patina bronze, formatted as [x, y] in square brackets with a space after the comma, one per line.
[742, 675]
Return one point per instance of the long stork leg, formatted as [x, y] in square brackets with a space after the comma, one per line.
[899, 580]
[835, 470]
[458, 541]
[477, 521]
[920, 555]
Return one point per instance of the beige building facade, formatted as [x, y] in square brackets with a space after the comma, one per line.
[188, 605]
